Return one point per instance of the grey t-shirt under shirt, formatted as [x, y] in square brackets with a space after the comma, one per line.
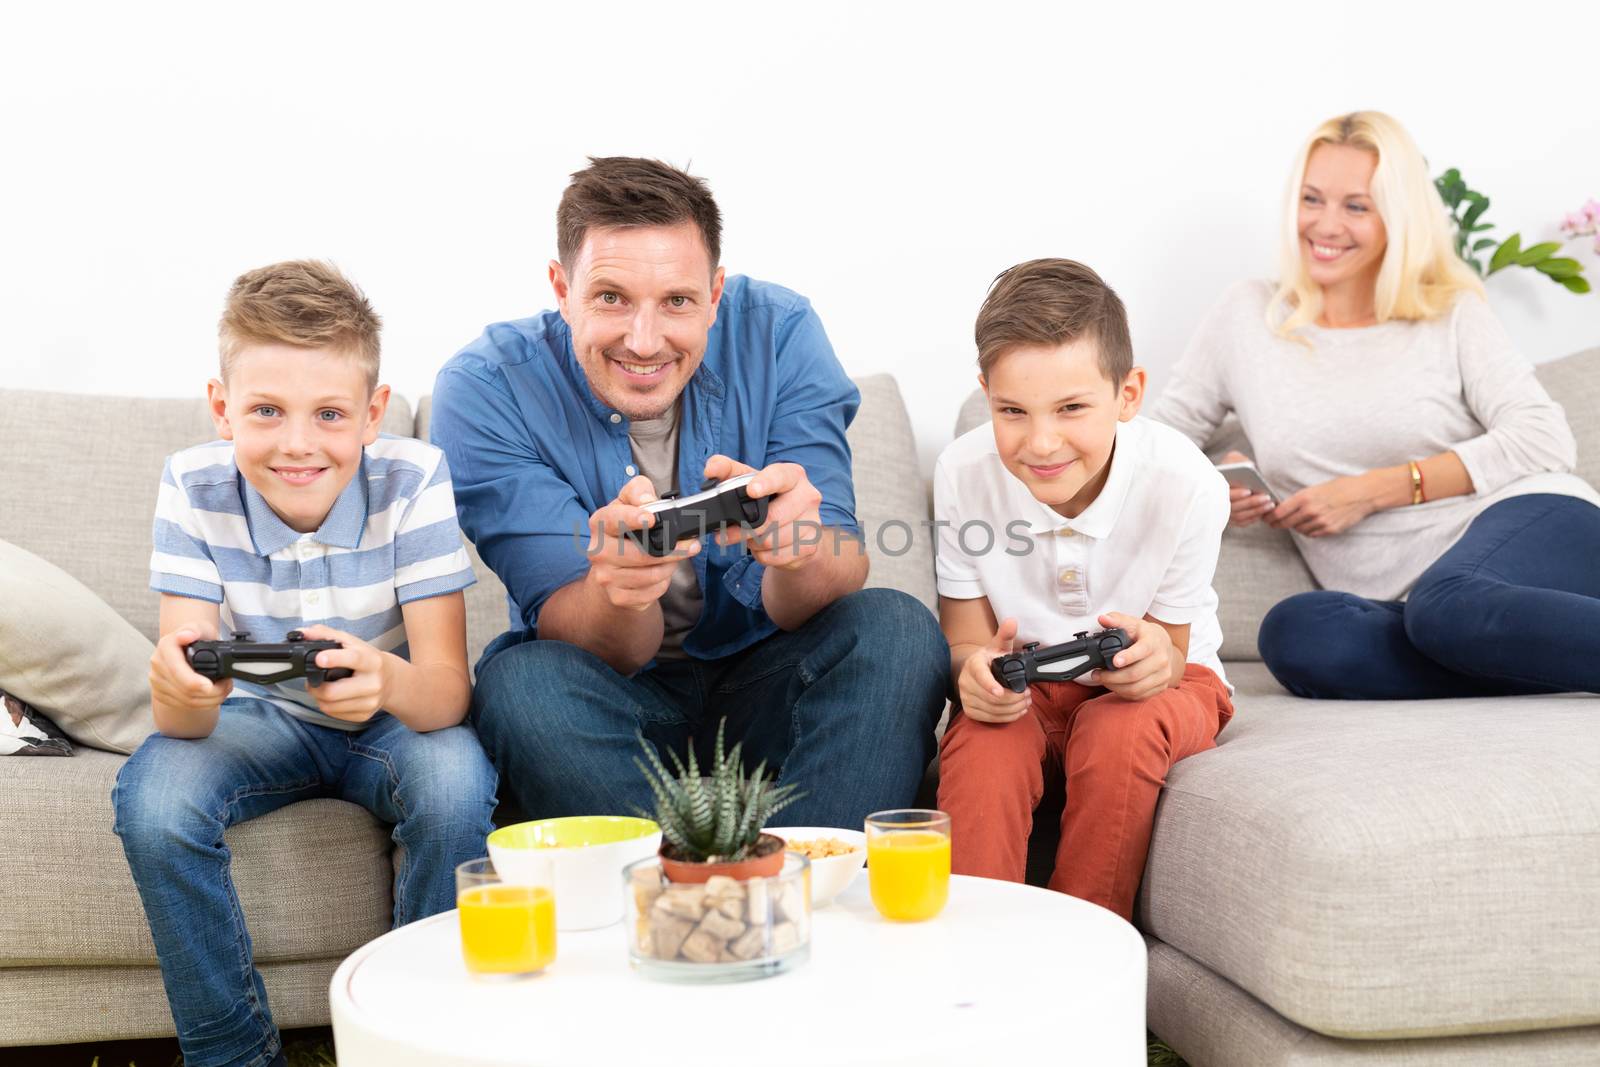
[654, 443]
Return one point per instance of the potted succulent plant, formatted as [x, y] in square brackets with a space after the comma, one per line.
[712, 826]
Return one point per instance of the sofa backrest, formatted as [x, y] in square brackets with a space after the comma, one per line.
[80, 478]
[1260, 566]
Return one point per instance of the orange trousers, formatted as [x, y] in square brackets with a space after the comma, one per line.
[1115, 755]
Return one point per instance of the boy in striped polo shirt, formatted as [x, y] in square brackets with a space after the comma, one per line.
[303, 517]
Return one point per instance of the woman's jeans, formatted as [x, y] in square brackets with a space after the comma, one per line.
[174, 798]
[1512, 607]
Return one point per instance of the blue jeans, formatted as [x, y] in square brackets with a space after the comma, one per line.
[1512, 607]
[846, 705]
[174, 798]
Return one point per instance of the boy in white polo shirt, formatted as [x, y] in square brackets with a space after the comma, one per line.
[1069, 514]
[302, 516]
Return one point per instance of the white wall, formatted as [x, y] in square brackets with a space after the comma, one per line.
[884, 159]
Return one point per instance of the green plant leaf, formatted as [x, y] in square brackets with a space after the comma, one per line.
[1577, 283]
[1530, 256]
[1482, 243]
[1506, 253]
[1480, 227]
[1480, 204]
[1559, 267]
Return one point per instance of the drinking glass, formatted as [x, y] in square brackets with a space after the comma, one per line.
[507, 928]
[908, 862]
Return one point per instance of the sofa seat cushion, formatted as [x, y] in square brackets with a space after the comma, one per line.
[314, 877]
[1389, 869]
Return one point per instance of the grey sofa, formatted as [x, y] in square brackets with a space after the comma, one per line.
[76, 959]
[1408, 883]
[1335, 883]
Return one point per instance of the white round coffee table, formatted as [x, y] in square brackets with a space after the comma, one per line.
[1005, 972]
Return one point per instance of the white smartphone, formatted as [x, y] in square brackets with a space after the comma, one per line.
[1244, 475]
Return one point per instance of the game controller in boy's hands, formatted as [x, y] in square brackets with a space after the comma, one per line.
[1058, 663]
[264, 661]
[717, 505]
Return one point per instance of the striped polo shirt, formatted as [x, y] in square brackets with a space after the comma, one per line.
[390, 538]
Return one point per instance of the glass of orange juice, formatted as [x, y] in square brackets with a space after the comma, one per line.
[908, 862]
[507, 928]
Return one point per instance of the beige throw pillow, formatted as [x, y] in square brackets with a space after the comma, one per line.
[63, 650]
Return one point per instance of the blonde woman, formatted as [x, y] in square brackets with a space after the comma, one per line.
[1421, 468]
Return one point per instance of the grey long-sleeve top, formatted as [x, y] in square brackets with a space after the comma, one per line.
[1371, 397]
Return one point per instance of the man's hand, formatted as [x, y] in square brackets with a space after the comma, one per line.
[630, 577]
[983, 698]
[174, 684]
[793, 531]
[1329, 508]
[1247, 507]
[363, 694]
[1142, 670]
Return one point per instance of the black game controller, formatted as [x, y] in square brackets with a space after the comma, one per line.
[718, 504]
[263, 661]
[1058, 663]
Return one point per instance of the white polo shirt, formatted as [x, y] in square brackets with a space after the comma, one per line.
[1147, 545]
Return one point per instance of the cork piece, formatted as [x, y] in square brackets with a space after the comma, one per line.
[701, 947]
[682, 901]
[720, 926]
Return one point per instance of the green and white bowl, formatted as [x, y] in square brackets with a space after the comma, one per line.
[586, 854]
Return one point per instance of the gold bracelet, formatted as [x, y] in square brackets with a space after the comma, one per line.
[1416, 482]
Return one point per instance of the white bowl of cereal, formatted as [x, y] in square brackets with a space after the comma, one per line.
[836, 856]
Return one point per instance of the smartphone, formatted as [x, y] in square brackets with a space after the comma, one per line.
[1245, 476]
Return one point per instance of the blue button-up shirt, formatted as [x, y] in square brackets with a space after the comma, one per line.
[534, 453]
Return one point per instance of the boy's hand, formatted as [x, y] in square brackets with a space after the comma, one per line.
[631, 577]
[793, 531]
[1142, 670]
[363, 694]
[983, 698]
[174, 684]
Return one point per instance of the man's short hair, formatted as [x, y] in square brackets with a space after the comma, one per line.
[1053, 302]
[624, 191]
[303, 302]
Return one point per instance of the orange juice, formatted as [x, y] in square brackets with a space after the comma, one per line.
[507, 929]
[909, 872]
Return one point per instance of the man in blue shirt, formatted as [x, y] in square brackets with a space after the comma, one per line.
[657, 373]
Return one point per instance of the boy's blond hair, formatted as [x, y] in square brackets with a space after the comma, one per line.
[1421, 275]
[307, 303]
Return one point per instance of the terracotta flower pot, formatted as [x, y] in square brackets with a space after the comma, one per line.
[765, 861]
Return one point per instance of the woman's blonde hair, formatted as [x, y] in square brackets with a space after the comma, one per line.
[1421, 275]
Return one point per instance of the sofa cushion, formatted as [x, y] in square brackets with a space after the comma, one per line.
[891, 498]
[64, 651]
[89, 467]
[314, 878]
[891, 506]
[1389, 869]
[1574, 383]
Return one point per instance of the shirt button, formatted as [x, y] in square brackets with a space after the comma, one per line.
[1068, 575]
[631, 469]
[312, 598]
[615, 418]
[1065, 531]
